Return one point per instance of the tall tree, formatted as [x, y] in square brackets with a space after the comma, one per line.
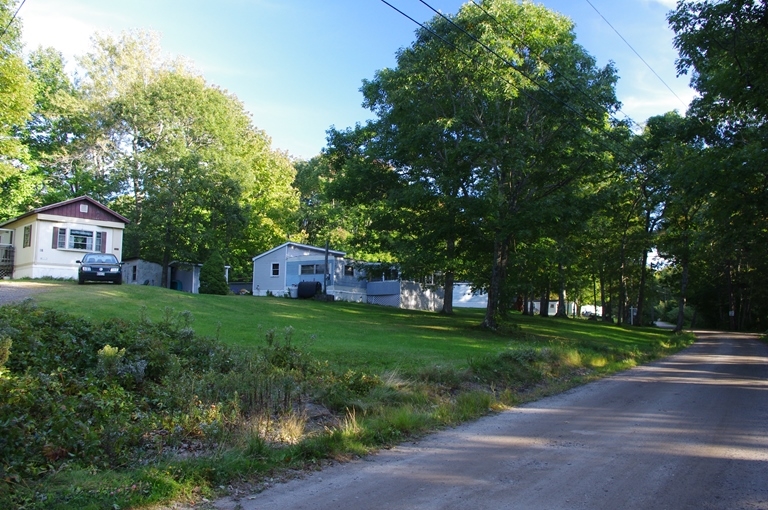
[484, 117]
[723, 45]
[16, 104]
[532, 110]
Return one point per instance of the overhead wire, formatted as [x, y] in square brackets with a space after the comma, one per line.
[638, 54]
[12, 19]
[594, 101]
[506, 62]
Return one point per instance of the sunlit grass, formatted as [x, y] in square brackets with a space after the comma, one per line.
[347, 334]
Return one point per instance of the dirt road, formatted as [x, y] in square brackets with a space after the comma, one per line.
[688, 432]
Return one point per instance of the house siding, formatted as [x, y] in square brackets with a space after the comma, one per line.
[415, 296]
[72, 210]
[263, 281]
[341, 285]
[290, 257]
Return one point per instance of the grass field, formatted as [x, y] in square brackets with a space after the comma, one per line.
[386, 375]
[372, 338]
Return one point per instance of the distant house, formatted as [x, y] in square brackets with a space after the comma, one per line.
[48, 241]
[465, 297]
[280, 270]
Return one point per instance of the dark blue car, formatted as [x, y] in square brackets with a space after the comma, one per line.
[99, 267]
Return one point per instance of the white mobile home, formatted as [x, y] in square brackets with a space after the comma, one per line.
[48, 241]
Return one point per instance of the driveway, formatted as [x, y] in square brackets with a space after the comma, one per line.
[686, 432]
[18, 290]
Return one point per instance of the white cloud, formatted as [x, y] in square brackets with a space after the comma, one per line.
[669, 4]
[44, 26]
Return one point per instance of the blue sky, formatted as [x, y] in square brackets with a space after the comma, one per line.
[297, 65]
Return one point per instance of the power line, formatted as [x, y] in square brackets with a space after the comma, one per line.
[504, 60]
[12, 18]
[554, 69]
[513, 67]
[638, 55]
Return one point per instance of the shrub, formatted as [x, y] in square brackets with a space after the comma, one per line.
[212, 279]
[110, 394]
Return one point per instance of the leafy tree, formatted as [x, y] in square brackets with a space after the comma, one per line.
[723, 45]
[16, 104]
[320, 217]
[476, 132]
[212, 280]
[178, 157]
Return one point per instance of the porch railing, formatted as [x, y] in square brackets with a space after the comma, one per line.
[6, 261]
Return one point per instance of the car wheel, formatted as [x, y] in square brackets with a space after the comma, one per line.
[80, 280]
[119, 281]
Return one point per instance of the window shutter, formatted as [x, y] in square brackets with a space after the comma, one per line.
[55, 238]
[103, 242]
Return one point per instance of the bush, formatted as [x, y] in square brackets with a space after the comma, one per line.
[212, 279]
[105, 395]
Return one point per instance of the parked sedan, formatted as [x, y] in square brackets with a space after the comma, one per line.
[99, 267]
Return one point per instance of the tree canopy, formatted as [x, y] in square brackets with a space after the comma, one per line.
[494, 157]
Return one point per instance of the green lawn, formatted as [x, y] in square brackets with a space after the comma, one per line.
[366, 337]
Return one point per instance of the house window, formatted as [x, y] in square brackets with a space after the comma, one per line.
[27, 241]
[275, 269]
[61, 239]
[349, 270]
[80, 240]
[134, 273]
[312, 269]
[99, 245]
[83, 208]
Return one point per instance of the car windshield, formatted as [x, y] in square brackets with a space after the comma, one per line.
[100, 259]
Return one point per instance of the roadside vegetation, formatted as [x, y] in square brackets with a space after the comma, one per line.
[122, 397]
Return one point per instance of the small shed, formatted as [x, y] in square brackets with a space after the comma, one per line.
[185, 276]
[138, 271]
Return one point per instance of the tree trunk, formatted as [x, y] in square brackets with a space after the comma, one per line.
[561, 307]
[731, 299]
[681, 301]
[449, 277]
[167, 244]
[492, 310]
[448, 297]
[594, 295]
[544, 306]
[641, 292]
[606, 308]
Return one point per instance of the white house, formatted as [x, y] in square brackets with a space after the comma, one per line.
[48, 241]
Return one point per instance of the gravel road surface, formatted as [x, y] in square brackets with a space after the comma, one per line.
[18, 290]
[687, 432]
